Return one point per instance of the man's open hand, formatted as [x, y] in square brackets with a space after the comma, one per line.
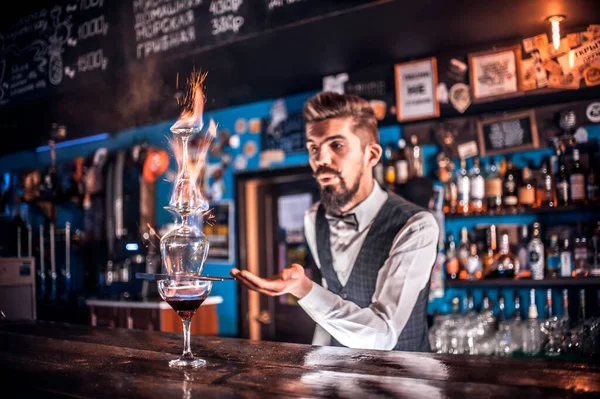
[291, 280]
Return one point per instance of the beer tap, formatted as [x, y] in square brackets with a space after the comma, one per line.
[67, 271]
[18, 241]
[53, 274]
[42, 271]
[29, 241]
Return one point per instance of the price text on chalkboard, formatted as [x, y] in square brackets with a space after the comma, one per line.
[288, 135]
[508, 133]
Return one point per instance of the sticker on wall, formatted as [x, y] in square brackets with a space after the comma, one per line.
[581, 135]
[335, 83]
[234, 141]
[250, 149]
[270, 156]
[240, 162]
[460, 97]
[379, 108]
[593, 112]
[442, 90]
[241, 126]
[528, 75]
[279, 114]
[457, 70]
[254, 125]
[591, 75]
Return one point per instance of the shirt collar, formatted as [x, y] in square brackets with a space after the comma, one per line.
[367, 210]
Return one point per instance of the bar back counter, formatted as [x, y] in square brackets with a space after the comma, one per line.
[48, 359]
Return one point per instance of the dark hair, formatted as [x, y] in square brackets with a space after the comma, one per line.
[328, 105]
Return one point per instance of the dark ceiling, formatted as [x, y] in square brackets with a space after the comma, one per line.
[292, 60]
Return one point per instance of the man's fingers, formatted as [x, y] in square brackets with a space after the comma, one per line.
[241, 278]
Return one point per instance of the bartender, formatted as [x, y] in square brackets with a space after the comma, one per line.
[374, 250]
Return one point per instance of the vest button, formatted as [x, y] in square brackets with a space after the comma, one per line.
[344, 295]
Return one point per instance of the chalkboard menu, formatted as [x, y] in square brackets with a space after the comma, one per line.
[219, 231]
[179, 26]
[69, 43]
[508, 133]
[287, 135]
[283, 12]
[56, 47]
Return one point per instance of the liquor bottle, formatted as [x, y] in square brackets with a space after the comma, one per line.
[510, 198]
[455, 305]
[401, 163]
[577, 180]
[549, 310]
[501, 308]
[546, 193]
[463, 184]
[553, 267]
[493, 187]
[486, 306]
[390, 168]
[523, 249]
[527, 188]
[463, 252]
[531, 330]
[378, 173]
[452, 267]
[506, 263]
[470, 304]
[536, 253]
[517, 314]
[450, 198]
[562, 182]
[474, 265]
[417, 158]
[490, 255]
[580, 253]
[594, 253]
[564, 320]
[477, 188]
[593, 186]
[581, 316]
[566, 259]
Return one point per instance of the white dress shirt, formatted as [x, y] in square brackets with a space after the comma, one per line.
[404, 274]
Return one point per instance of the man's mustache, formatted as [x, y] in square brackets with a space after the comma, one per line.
[325, 169]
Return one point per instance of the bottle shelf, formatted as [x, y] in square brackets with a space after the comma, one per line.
[588, 207]
[559, 282]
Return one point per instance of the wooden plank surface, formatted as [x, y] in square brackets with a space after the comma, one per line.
[60, 360]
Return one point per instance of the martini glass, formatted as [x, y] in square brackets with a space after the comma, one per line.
[185, 295]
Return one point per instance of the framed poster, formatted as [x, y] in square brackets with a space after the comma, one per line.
[416, 90]
[219, 231]
[507, 133]
[495, 73]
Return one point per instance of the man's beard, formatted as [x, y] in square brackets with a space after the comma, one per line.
[334, 199]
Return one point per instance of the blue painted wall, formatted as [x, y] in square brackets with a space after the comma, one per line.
[158, 134]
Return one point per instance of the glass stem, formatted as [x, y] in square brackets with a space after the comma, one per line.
[187, 351]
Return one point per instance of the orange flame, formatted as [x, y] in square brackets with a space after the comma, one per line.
[193, 103]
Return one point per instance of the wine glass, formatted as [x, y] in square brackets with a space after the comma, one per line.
[185, 295]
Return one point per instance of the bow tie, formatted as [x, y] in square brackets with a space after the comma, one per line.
[349, 218]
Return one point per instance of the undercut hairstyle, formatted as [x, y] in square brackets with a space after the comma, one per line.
[329, 105]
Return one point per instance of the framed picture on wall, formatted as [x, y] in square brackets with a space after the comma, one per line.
[416, 90]
[495, 73]
[507, 133]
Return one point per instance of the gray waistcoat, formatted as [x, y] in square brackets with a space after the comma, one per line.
[360, 287]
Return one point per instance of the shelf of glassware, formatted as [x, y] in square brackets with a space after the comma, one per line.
[572, 208]
[559, 282]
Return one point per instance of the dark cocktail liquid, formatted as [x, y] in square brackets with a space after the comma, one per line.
[186, 308]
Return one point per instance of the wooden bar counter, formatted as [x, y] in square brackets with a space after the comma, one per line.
[42, 359]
